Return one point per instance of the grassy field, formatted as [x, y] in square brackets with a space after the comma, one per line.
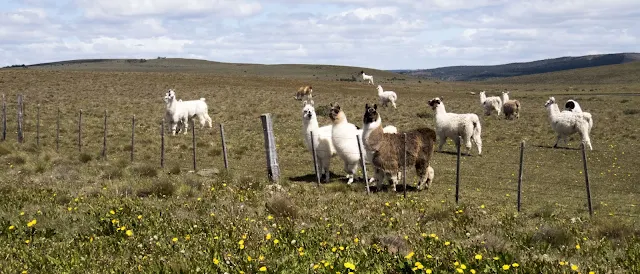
[71, 211]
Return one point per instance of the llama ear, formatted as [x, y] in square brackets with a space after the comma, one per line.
[366, 106]
[375, 106]
[304, 103]
[311, 103]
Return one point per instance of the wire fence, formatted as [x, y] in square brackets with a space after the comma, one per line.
[531, 177]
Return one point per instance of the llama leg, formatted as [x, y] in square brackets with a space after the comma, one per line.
[174, 126]
[557, 140]
[379, 177]
[394, 180]
[478, 140]
[394, 104]
[441, 141]
[421, 171]
[185, 125]
[206, 116]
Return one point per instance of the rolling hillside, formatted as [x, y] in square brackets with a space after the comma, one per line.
[308, 71]
[474, 73]
[628, 73]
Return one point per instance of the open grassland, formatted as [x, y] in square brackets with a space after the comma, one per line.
[72, 211]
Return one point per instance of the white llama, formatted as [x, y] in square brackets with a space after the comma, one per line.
[321, 139]
[566, 123]
[572, 105]
[387, 97]
[182, 111]
[452, 125]
[490, 104]
[366, 77]
[344, 136]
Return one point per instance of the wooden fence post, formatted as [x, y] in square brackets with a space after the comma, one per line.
[4, 118]
[20, 115]
[586, 178]
[193, 138]
[133, 135]
[104, 138]
[315, 159]
[404, 166]
[80, 131]
[162, 144]
[362, 163]
[458, 169]
[224, 147]
[520, 175]
[273, 170]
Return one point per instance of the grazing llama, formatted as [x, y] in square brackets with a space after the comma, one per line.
[366, 77]
[490, 104]
[452, 125]
[388, 151]
[566, 123]
[304, 91]
[572, 105]
[344, 137]
[510, 107]
[182, 111]
[387, 97]
[321, 138]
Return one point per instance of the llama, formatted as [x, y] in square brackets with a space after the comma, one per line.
[566, 123]
[367, 127]
[182, 111]
[321, 138]
[388, 151]
[452, 125]
[387, 97]
[304, 91]
[510, 108]
[572, 105]
[366, 77]
[343, 136]
[490, 104]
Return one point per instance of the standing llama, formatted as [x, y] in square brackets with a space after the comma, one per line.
[367, 127]
[321, 138]
[366, 77]
[344, 136]
[182, 111]
[387, 97]
[452, 125]
[389, 149]
[510, 107]
[304, 91]
[566, 123]
[490, 104]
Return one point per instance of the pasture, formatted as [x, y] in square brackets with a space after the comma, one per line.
[71, 211]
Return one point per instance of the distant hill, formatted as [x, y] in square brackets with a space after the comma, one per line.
[304, 71]
[475, 73]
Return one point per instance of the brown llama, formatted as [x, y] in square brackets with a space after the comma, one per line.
[388, 151]
[304, 91]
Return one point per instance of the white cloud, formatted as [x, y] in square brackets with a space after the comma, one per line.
[371, 33]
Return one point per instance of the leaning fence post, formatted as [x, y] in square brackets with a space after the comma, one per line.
[133, 135]
[315, 158]
[104, 138]
[38, 126]
[273, 170]
[586, 178]
[362, 163]
[80, 131]
[458, 169]
[193, 140]
[520, 174]
[20, 115]
[162, 144]
[404, 166]
[4, 118]
[224, 147]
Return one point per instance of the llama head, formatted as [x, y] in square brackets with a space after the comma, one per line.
[572, 105]
[308, 111]
[551, 101]
[362, 72]
[483, 93]
[435, 102]
[336, 113]
[169, 96]
[370, 114]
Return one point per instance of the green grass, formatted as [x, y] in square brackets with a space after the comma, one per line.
[178, 220]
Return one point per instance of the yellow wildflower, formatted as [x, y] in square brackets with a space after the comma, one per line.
[574, 267]
[174, 240]
[447, 243]
[515, 264]
[139, 217]
[249, 259]
[215, 261]
[428, 271]
[276, 241]
[263, 269]
[268, 237]
[32, 223]
[478, 257]
[349, 265]
[505, 267]
[112, 212]
[578, 246]
[473, 271]
[12, 227]
[409, 256]
[269, 217]
[129, 232]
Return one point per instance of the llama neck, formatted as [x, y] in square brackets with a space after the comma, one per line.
[483, 98]
[505, 97]
[380, 91]
[172, 104]
[367, 128]
[553, 109]
[309, 124]
[440, 109]
[340, 118]
[374, 140]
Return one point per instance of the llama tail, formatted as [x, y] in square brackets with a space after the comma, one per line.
[203, 99]
[477, 134]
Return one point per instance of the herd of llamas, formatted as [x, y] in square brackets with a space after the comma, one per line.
[385, 147]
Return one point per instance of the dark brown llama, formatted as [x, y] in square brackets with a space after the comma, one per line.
[388, 150]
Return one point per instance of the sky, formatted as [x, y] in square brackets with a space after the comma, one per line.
[381, 34]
